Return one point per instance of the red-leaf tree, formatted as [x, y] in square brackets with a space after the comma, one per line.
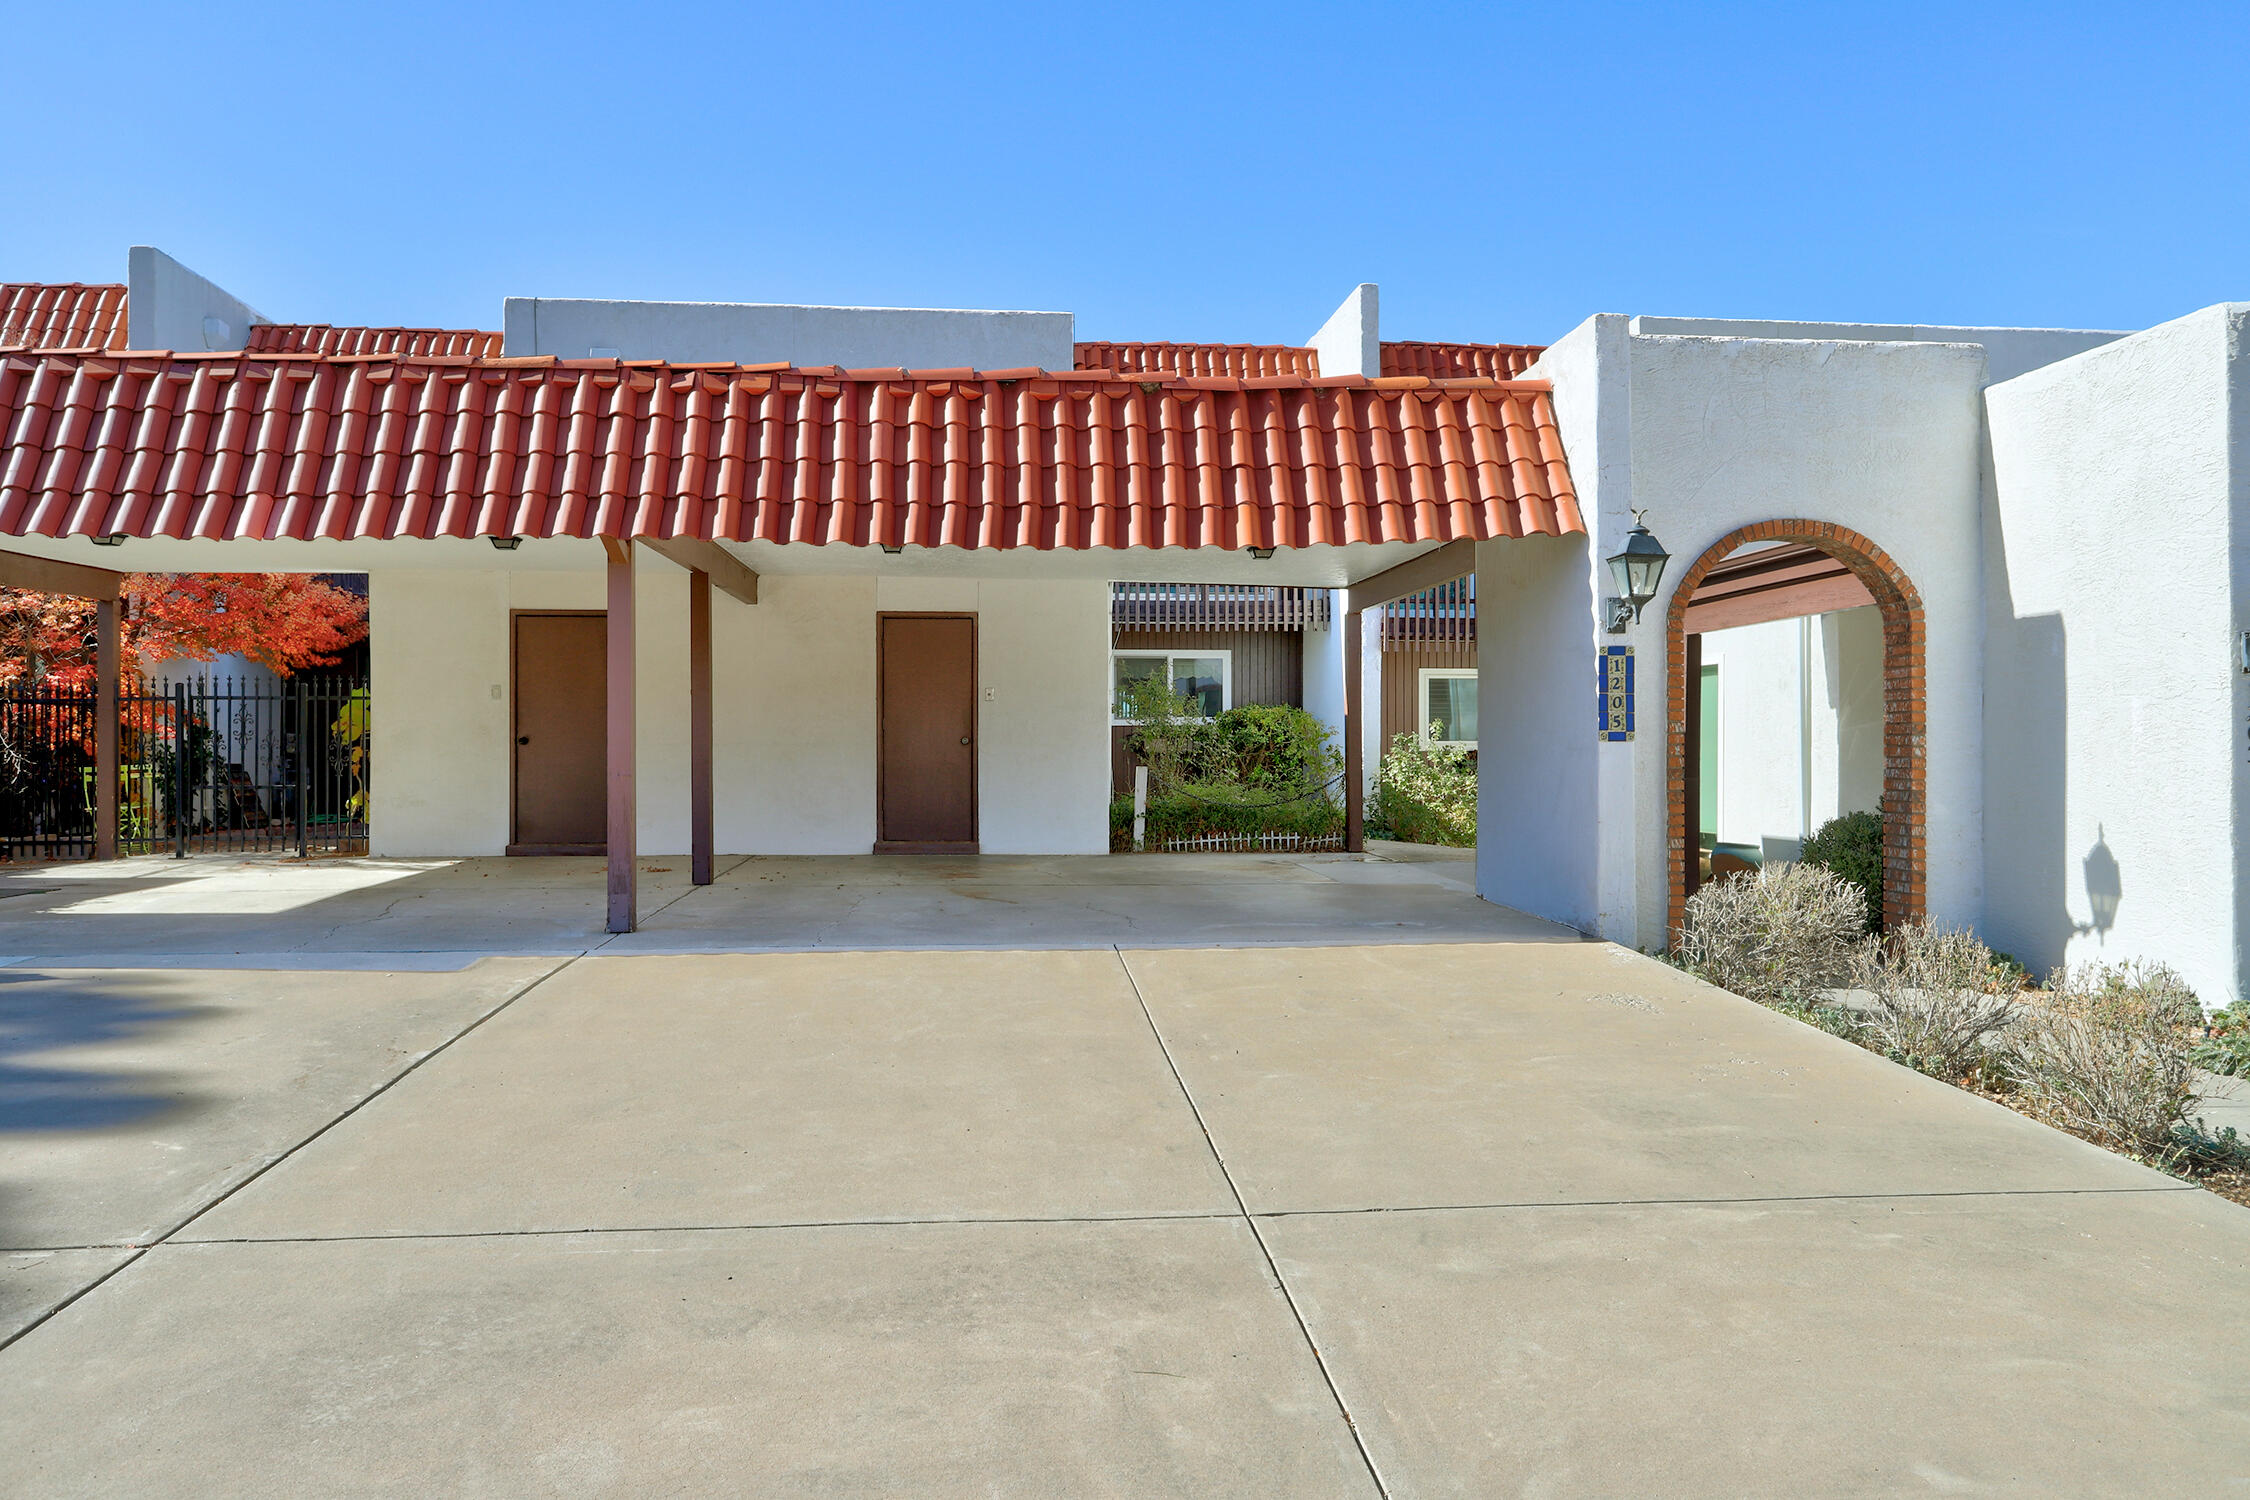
[286, 621]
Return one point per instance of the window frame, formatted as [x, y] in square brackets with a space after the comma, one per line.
[1422, 702]
[1225, 656]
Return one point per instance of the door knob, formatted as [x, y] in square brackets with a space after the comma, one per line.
[964, 739]
[523, 739]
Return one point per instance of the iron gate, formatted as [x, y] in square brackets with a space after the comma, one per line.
[205, 763]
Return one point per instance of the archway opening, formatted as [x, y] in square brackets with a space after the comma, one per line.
[1797, 696]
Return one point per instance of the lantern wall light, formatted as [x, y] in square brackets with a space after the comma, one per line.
[1636, 571]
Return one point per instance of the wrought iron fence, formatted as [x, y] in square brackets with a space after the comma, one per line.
[203, 763]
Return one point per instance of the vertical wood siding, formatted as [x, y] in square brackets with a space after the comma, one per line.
[1269, 667]
[1402, 680]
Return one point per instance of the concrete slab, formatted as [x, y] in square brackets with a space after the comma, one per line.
[251, 907]
[264, 911]
[33, 1283]
[2073, 1344]
[1541, 1073]
[762, 1089]
[129, 1099]
[1125, 1359]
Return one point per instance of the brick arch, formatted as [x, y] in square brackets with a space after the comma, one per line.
[1905, 710]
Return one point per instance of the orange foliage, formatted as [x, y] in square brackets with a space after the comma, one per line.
[286, 621]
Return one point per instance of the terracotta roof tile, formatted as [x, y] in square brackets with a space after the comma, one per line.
[1443, 361]
[1199, 359]
[61, 315]
[303, 446]
[1460, 361]
[322, 338]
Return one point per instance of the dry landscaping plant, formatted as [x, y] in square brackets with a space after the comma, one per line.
[1930, 1005]
[1780, 937]
[2107, 1056]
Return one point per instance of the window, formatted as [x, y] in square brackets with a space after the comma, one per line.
[1449, 707]
[1206, 676]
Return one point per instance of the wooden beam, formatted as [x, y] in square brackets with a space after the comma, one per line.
[1781, 601]
[623, 813]
[730, 574]
[699, 726]
[1355, 759]
[45, 575]
[1412, 576]
[105, 729]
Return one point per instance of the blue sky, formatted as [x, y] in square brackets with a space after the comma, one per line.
[1222, 172]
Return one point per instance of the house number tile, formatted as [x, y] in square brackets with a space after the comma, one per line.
[1613, 711]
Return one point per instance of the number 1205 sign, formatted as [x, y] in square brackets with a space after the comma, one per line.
[1614, 706]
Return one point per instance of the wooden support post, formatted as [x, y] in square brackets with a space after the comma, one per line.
[699, 726]
[622, 810]
[1355, 790]
[105, 729]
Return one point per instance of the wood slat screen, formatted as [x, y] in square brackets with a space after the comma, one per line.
[1215, 606]
[1437, 617]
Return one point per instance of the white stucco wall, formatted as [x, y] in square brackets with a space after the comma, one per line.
[1324, 670]
[793, 714]
[2008, 352]
[757, 332]
[1800, 725]
[1539, 800]
[1846, 730]
[168, 306]
[437, 690]
[1351, 341]
[2117, 704]
[1761, 731]
[1711, 434]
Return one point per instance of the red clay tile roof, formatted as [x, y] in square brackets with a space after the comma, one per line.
[61, 315]
[1460, 361]
[321, 338]
[1438, 361]
[238, 446]
[1246, 361]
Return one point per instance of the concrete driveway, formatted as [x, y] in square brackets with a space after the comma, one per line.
[975, 1203]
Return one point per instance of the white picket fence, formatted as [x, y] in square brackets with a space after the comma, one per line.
[1264, 843]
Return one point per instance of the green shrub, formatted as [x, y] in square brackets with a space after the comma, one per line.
[1200, 810]
[1852, 846]
[2226, 1049]
[1426, 794]
[1170, 734]
[1277, 748]
[1781, 937]
[1272, 747]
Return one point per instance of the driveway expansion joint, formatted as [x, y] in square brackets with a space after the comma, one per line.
[139, 1251]
[1273, 1267]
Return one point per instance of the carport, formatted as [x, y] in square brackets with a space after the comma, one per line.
[919, 482]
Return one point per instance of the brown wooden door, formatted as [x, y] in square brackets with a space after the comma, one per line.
[927, 773]
[561, 718]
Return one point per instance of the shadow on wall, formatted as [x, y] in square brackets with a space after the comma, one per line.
[46, 1013]
[2032, 913]
[2026, 785]
[2105, 887]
